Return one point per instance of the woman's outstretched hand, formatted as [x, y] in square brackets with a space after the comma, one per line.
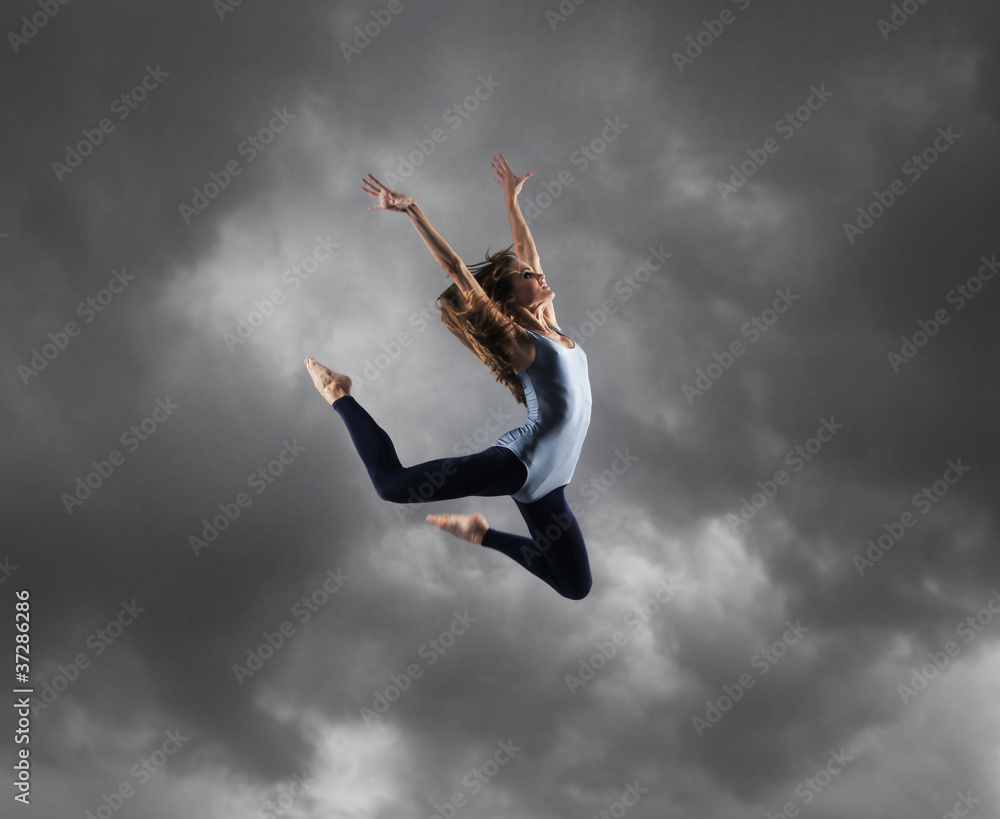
[505, 176]
[387, 199]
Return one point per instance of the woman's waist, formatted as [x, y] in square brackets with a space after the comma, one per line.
[553, 423]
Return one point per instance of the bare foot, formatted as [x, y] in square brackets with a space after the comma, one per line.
[466, 527]
[331, 385]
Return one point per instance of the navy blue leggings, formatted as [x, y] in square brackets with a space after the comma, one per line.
[555, 552]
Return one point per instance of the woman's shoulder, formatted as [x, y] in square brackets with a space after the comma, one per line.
[521, 349]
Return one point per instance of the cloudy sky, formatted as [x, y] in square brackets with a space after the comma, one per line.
[772, 228]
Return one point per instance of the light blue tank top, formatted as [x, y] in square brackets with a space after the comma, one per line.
[557, 392]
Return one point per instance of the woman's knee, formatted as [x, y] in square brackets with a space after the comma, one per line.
[579, 589]
[403, 489]
[391, 490]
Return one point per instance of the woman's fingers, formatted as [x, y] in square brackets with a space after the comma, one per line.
[383, 197]
[387, 198]
[505, 174]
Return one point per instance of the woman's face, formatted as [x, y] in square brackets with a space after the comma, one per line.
[528, 287]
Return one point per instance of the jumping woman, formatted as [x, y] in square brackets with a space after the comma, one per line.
[503, 313]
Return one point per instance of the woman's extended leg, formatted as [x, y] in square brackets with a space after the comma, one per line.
[492, 472]
[555, 552]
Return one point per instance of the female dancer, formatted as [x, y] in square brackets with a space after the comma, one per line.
[503, 314]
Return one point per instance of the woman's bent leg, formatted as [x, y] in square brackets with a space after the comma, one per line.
[492, 472]
[555, 552]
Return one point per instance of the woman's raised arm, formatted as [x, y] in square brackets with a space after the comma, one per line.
[439, 248]
[521, 236]
[519, 232]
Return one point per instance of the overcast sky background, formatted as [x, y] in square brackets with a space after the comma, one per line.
[661, 523]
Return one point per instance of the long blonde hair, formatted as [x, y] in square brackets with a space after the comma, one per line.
[485, 323]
